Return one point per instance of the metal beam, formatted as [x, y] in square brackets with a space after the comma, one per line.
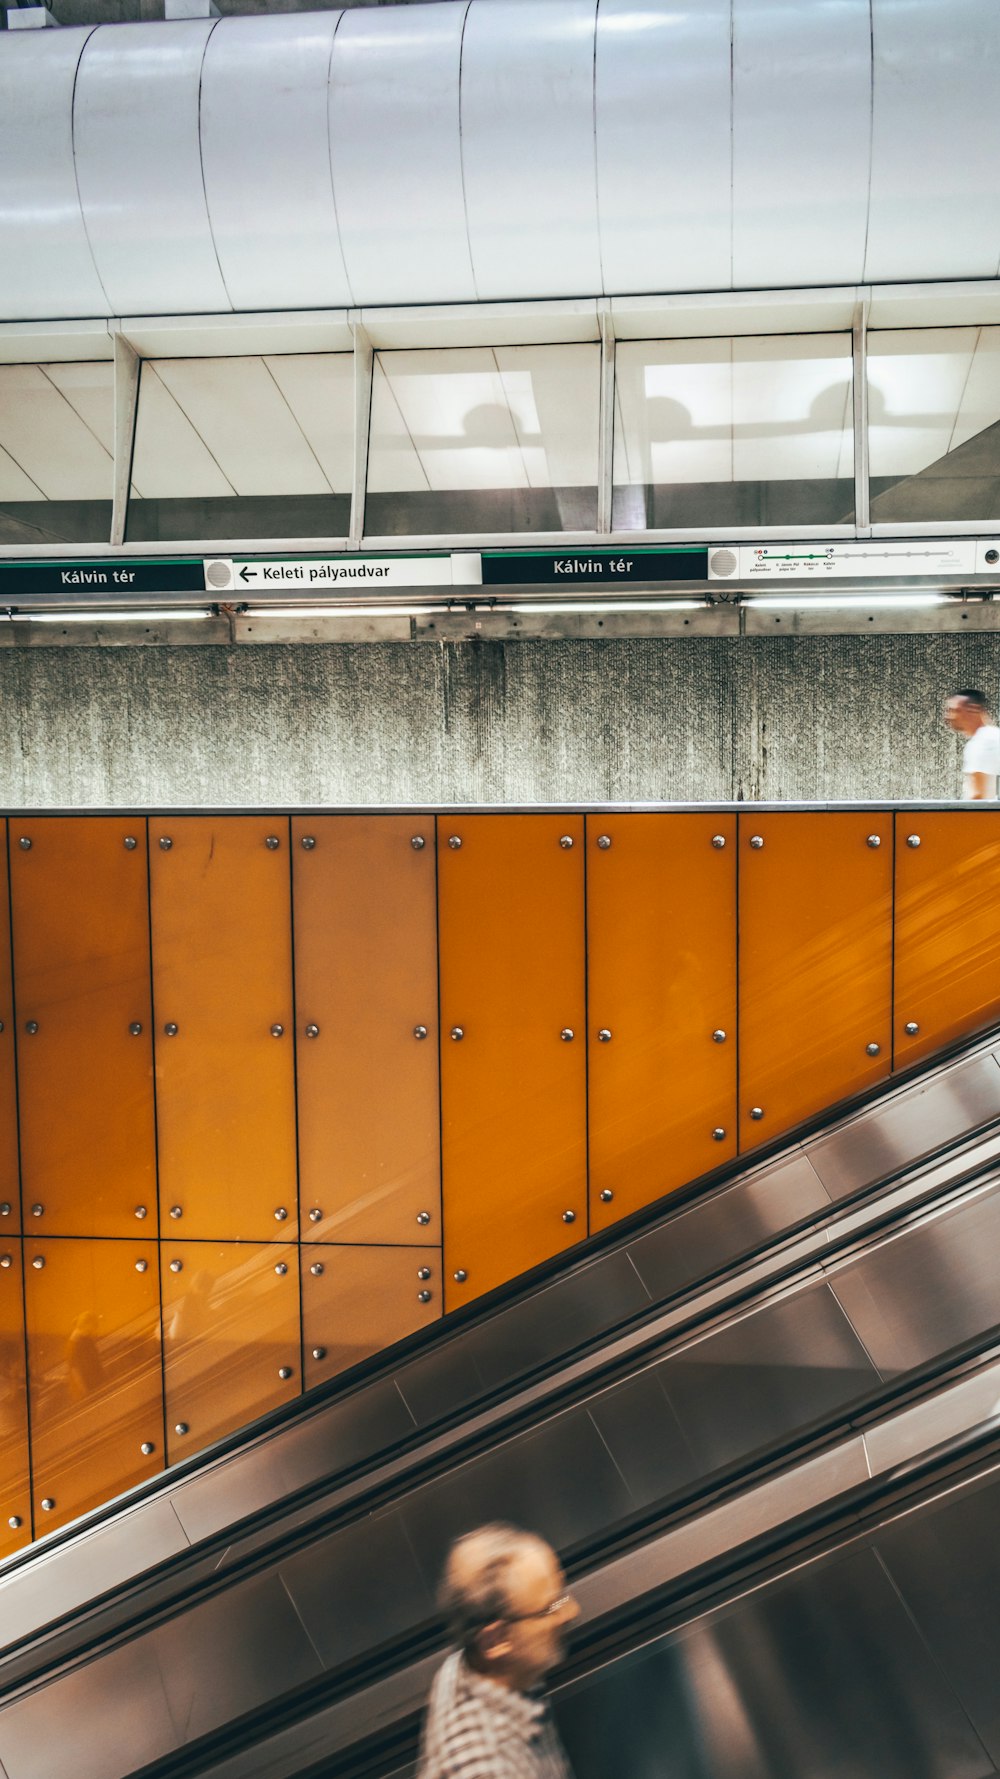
[127, 365]
[364, 370]
[862, 500]
[725, 619]
[606, 422]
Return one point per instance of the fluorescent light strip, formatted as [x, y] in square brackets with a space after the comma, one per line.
[339, 611]
[555, 606]
[845, 602]
[157, 616]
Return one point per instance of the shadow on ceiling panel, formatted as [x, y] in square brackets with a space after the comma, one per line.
[935, 425]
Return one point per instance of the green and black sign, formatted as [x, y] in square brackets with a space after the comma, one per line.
[116, 579]
[586, 567]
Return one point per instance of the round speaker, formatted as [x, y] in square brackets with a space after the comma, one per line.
[723, 562]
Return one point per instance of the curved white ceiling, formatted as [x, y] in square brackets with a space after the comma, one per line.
[496, 149]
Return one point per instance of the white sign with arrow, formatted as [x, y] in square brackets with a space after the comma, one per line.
[325, 574]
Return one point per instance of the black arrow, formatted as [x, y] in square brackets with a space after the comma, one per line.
[247, 574]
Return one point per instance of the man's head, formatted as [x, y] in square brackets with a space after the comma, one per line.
[965, 712]
[505, 1598]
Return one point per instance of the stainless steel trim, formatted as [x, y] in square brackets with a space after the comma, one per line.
[364, 370]
[869, 806]
[606, 423]
[862, 502]
[126, 391]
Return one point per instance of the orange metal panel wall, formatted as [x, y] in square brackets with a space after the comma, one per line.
[355, 1301]
[815, 963]
[947, 979]
[94, 1372]
[523, 907]
[10, 1195]
[15, 1491]
[81, 952]
[365, 897]
[661, 958]
[513, 1088]
[230, 1337]
[222, 975]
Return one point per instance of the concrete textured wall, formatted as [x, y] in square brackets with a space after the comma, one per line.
[619, 721]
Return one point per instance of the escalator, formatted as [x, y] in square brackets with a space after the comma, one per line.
[712, 1378]
[870, 1649]
[852, 1631]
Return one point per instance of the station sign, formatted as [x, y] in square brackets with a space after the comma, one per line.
[255, 576]
[117, 579]
[872, 559]
[602, 567]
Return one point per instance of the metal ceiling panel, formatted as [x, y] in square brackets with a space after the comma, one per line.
[266, 150]
[510, 417]
[801, 111]
[931, 113]
[803, 388]
[918, 379]
[520, 149]
[980, 403]
[239, 412]
[662, 84]
[170, 460]
[319, 391]
[47, 440]
[528, 147]
[139, 166]
[396, 153]
[39, 202]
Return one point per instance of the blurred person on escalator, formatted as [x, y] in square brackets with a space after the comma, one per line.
[968, 714]
[505, 1597]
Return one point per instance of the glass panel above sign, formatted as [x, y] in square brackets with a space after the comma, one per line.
[56, 453]
[934, 425]
[733, 432]
[243, 447]
[484, 439]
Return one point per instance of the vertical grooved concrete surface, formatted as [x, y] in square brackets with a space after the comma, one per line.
[519, 722]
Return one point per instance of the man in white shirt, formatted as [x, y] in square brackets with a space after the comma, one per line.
[969, 715]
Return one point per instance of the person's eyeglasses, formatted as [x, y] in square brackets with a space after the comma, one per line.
[549, 1611]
